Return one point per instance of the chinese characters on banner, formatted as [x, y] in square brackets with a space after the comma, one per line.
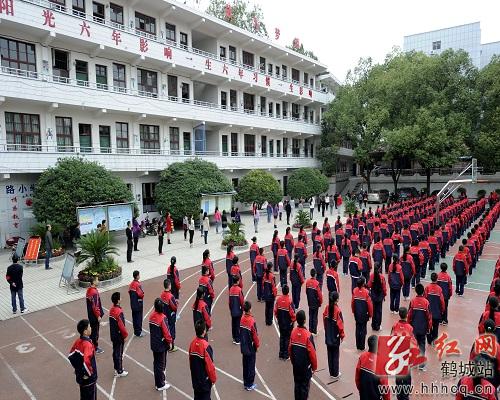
[49, 19]
[208, 64]
[167, 53]
[85, 28]
[7, 7]
[116, 36]
[143, 45]
[277, 33]
[16, 199]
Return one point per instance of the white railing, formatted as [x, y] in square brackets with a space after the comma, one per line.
[133, 92]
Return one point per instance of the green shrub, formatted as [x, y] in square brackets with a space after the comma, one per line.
[302, 218]
[182, 184]
[481, 193]
[39, 229]
[96, 250]
[259, 186]
[235, 235]
[349, 206]
[306, 182]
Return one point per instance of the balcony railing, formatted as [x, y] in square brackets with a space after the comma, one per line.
[134, 31]
[133, 92]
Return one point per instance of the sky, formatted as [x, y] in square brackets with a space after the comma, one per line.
[340, 32]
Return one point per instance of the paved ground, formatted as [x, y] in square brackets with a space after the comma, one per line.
[33, 347]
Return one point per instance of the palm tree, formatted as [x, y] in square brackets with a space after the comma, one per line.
[95, 246]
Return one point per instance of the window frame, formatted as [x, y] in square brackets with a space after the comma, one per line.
[122, 83]
[145, 74]
[149, 136]
[249, 145]
[100, 18]
[147, 22]
[82, 133]
[174, 138]
[169, 28]
[101, 85]
[120, 139]
[78, 6]
[234, 144]
[34, 136]
[66, 134]
[113, 15]
[29, 65]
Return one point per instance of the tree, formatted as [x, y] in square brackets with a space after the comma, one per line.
[299, 48]
[240, 13]
[74, 182]
[259, 186]
[306, 182]
[182, 184]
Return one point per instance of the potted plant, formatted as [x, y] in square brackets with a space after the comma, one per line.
[40, 229]
[97, 251]
[235, 236]
[302, 218]
[349, 207]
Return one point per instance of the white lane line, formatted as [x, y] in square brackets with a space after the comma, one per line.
[216, 393]
[18, 378]
[33, 337]
[106, 394]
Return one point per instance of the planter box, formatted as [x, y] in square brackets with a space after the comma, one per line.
[236, 248]
[54, 258]
[105, 283]
[306, 228]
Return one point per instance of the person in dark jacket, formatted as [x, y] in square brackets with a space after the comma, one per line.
[288, 210]
[173, 277]
[160, 343]
[249, 345]
[434, 294]
[367, 381]
[49, 246]
[314, 301]
[362, 308]
[201, 363]
[236, 302]
[303, 357]
[296, 279]
[420, 318]
[285, 315]
[269, 293]
[258, 268]
[283, 262]
[333, 323]
[82, 358]
[136, 303]
[118, 333]
[136, 232]
[130, 242]
[14, 277]
[444, 281]
[170, 305]
[378, 292]
[94, 312]
[396, 281]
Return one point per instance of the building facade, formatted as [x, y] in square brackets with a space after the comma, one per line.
[136, 86]
[463, 37]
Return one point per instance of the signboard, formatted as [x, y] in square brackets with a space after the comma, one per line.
[21, 242]
[33, 248]
[90, 217]
[67, 272]
[118, 215]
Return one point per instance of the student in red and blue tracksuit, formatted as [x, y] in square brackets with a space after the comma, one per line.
[283, 263]
[418, 260]
[435, 250]
[461, 269]
[426, 251]
[236, 271]
[355, 270]
[289, 242]
[408, 269]
[396, 282]
[136, 303]
[320, 266]
[333, 323]
[332, 278]
[444, 281]
[389, 251]
[118, 333]
[160, 344]
[208, 262]
[206, 283]
[362, 308]
[258, 267]
[201, 363]
[254, 251]
[345, 252]
[269, 293]
[236, 301]
[332, 254]
[296, 279]
[314, 301]
[378, 252]
[275, 245]
[420, 318]
[475, 388]
[300, 249]
[284, 312]
[94, 312]
[366, 260]
[378, 292]
[170, 305]
[200, 309]
[173, 276]
[367, 380]
[249, 345]
[434, 294]
[303, 357]
[82, 358]
[229, 264]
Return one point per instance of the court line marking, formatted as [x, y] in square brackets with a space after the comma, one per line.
[106, 394]
[18, 378]
[33, 337]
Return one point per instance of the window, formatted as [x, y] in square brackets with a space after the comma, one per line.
[270, 110]
[101, 76]
[147, 82]
[187, 142]
[116, 13]
[248, 59]
[306, 78]
[184, 39]
[59, 2]
[174, 140]
[271, 148]
[278, 75]
[436, 45]
[82, 72]
[285, 109]
[225, 145]
[312, 150]
[262, 65]
[278, 110]
[262, 105]
[295, 111]
[172, 86]
[284, 73]
[122, 145]
[270, 69]
[64, 134]
[295, 75]
[311, 116]
[185, 92]
[222, 53]
[98, 12]
[150, 139]
[233, 100]
[248, 102]
[105, 138]
[119, 78]
[249, 142]
[285, 185]
[296, 147]
[223, 99]
[285, 147]
[85, 135]
[234, 144]
[263, 145]
[235, 183]
[278, 148]
[306, 147]
[60, 63]
[17, 55]
[306, 113]
[78, 7]
[170, 32]
[232, 54]
[23, 130]
[146, 24]
[311, 82]
[148, 201]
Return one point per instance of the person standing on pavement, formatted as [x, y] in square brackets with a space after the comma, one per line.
[130, 243]
[288, 210]
[269, 293]
[206, 226]
[218, 219]
[94, 312]
[314, 301]
[170, 310]
[256, 218]
[136, 232]
[136, 303]
[185, 226]
[82, 358]
[333, 322]
[14, 277]
[118, 333]
[236, 302]
[224, 221]
[303, 357]
[160, 342]
[312, 203]
[202, 214]
[280, 209]
[49, 246]
[191, 230]
[327, 202]
[160, 232]
[249, 344]
[201, 363]
[169, 227]
[173, 277]
[275, 215]
[285, 315]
